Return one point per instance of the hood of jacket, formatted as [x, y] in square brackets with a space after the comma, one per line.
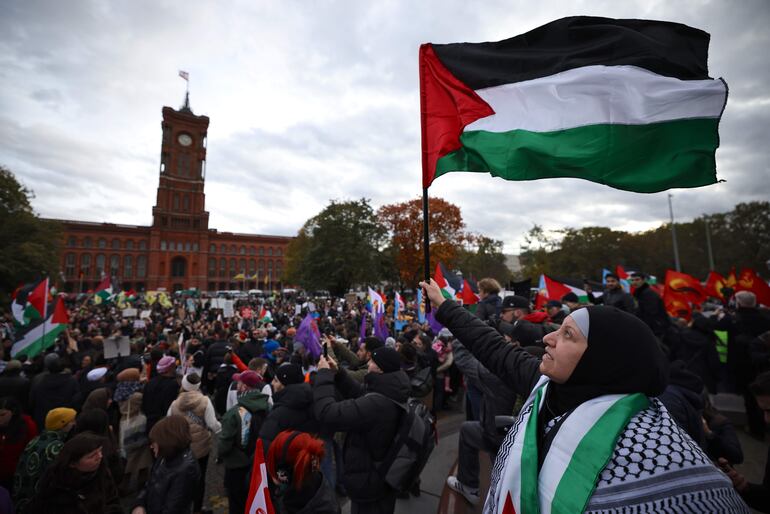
[190, 400]
[394, 385]
[253, 401]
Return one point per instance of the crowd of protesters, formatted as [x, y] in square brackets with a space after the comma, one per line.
[81, 433]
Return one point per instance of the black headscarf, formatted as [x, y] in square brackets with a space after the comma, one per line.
[622, 357]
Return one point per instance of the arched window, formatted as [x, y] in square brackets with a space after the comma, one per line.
[222, 267]
[85, 265]
[252, 267]
[87, 242]
[186, 203]
[222, 249]
[270, 252]
[232, 249]
[129, 244]
[102, 243]
[195, 247]
[233, 265]
[261, 251]
[116, 244]
[261, 266]
[187, 247]
[142, 245]
[269, 266]
[100, 261]
[128, 266]
[176, 202]
[213, 248]
[278, 252]
[243, 250]
[242, 265]
[212, 266]
[72, 242]
[141, 266]
[178, 267]
[114, 264]
[252, 250]
[69, 265]
[162, 245]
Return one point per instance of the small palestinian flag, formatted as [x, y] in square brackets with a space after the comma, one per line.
[449, 283]
[103, 291]
[626, 103]
[41, 335]
[29, 303]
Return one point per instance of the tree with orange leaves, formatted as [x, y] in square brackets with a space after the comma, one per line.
[404, 224]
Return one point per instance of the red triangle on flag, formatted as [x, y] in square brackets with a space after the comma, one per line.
[447, 105]
[467, 294]
[60, 312]
[556, 290]
[439, 277]
[38, 298]
[258, 500]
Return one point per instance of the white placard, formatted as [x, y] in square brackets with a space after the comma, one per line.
[145, 314]
[117, 347]
[129, 313]
[139, 323]
[229, 311]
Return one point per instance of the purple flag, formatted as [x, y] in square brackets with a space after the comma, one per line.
[362, 334]
[309, 336]
[380, 330]
[434, 325]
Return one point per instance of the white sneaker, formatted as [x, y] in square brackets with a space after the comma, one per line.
[472, 495]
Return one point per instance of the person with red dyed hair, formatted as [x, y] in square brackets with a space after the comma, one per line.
[294, 465]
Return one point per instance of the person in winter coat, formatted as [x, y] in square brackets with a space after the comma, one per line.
[650, 308]
[175, 474]
[13, 383]
[16, 430]
[615, 296]
[97, 422]
[133, 443]
[358, 362]
[591, 398]
[160, 391]
[57, 388]
[237, 439]
[292, 405]
[696, 345]
[222, 381]
[370, 421]
[683, 399]
[78, 482]
[199, 413]
[721, 440]
[293, 463]
[490, 304]
[40, 453]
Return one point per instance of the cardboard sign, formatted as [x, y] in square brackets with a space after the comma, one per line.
[117, 347]
[139, 323]
[145, 314]
[229, 310]
[129, 313]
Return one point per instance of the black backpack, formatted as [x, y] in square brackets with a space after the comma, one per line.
[415, 440]
[255, 425]
[421, 383]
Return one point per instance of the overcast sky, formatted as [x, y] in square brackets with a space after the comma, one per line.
[313, 101]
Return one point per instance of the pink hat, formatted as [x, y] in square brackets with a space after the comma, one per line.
[165, 364]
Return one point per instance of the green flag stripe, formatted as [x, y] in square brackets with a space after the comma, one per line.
[592, 454]
[529, 497]
[33, 347]
[641, 158]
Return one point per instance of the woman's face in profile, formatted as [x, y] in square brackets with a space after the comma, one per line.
[563, 350]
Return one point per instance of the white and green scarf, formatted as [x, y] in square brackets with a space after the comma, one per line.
[579, 451]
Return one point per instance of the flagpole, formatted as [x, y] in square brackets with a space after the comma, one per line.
[708, 244]
[673, 235]
[426, 241]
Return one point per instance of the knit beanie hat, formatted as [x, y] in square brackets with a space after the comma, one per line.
[289, 374]
[387, 359]
[165, 364]
[191, 382]
[58, 418]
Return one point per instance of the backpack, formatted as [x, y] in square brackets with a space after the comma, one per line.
[415, 440]
[255, 424]
[421, 383]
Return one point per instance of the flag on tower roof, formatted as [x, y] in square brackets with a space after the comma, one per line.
[582, 97]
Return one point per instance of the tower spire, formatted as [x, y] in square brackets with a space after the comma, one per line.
[186, 107]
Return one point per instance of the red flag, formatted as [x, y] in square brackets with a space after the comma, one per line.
[38, 298]
[714, 284]
[730, 280]
[621, 273]
[467, 294]
[60, 312]
[677, 305]
[686, 286]
[556, 290]
[750, 281]
[106, 283]
[258, 501]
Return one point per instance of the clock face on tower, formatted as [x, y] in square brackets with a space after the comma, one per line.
[184, 139]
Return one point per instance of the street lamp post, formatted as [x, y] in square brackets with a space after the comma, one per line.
[673, 234]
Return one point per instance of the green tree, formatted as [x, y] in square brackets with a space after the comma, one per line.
[30, 245]
[484, 257]
[338, 248]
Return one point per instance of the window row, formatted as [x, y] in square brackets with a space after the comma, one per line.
[88, 267]
[242, 250]
[115, 244]
[178, 246]
[224, 268]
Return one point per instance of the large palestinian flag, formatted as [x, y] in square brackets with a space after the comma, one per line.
[626, 103]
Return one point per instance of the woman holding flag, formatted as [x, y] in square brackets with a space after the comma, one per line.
[591, 436]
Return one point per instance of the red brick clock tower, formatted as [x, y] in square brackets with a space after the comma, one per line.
[179, 233]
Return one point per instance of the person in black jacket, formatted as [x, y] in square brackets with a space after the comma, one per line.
[13, 384]
[57, 388]
[696, 345]
[370, 420]
[175, 473]
[650, 308]
[160, 392]
[293, 463]
[292, 405]
[488, 308]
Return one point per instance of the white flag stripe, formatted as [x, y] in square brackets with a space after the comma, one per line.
[593, 95]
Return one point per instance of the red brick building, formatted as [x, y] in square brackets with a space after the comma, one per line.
[179, 250]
